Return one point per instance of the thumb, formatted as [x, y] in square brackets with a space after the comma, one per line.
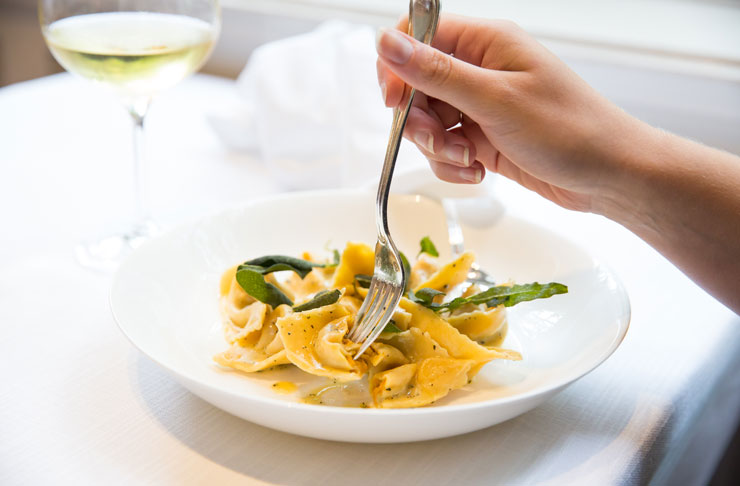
[435, 73]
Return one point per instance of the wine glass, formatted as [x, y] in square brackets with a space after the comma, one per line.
[135, 48]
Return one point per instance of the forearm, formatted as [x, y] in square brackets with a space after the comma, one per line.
[684, 200]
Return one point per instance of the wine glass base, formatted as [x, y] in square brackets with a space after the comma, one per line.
[107, 253]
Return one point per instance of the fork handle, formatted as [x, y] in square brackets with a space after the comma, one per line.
[423, 19]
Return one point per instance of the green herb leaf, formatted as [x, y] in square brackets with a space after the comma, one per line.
[277, 263]
[253, 283]
[325, 297]
[391, 327]
[428, 247]
[363, 281]
[406, 271]
[501, 294]
[509, 296]
[337, 258]
[426, 297]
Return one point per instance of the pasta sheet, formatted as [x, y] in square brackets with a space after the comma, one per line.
[427, 356]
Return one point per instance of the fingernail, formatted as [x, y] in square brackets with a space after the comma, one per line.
[469, 175]
[458, 153]
[384, 92]
[393, 46]
[426, 140]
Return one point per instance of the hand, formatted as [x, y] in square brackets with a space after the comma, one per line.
[494, 98]
[490, 96]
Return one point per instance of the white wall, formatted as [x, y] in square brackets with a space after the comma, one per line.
[694, 95]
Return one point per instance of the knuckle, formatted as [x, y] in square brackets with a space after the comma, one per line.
[506, 90]
[438, 68]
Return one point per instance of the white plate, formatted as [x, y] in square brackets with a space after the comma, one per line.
[164, 298]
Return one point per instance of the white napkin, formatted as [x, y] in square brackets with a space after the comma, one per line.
[315, 113]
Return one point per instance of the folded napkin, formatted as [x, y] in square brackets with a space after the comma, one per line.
[314, 111]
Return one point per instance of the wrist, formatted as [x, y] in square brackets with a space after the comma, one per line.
[630, 173]
[681, 198]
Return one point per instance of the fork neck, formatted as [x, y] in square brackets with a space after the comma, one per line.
[391, 154]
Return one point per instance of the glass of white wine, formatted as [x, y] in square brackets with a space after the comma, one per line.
[135, 48]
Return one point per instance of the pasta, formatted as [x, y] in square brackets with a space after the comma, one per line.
[422, 356]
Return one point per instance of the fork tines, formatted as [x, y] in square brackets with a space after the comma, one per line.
[380, 303]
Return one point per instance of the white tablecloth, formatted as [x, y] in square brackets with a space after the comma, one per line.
[79, 405]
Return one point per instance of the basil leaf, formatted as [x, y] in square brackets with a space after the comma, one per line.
[428, 247]
[391, 327]
[325, 297]
[277, 263]
[253, 283]
[363, 281]
[406, 271]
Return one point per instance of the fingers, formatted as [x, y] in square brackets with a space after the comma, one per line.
[391, 86]
[436, 143]
[428, 70]
[392, 89]
[458, 175]
[486, 153]
[447, 114]
[425, 131]
[451, 155]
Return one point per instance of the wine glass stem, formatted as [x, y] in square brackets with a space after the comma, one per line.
[138, 110]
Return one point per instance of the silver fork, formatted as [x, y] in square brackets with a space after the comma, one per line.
[386, 287]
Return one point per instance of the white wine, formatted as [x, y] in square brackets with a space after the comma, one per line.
[136, 53]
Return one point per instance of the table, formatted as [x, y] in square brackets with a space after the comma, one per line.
[78, 404]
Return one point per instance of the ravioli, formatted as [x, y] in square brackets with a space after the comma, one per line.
[420, 383]
[457, 344]
[315, 342]
[420, 359]
[255, 346]
[486, 327]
